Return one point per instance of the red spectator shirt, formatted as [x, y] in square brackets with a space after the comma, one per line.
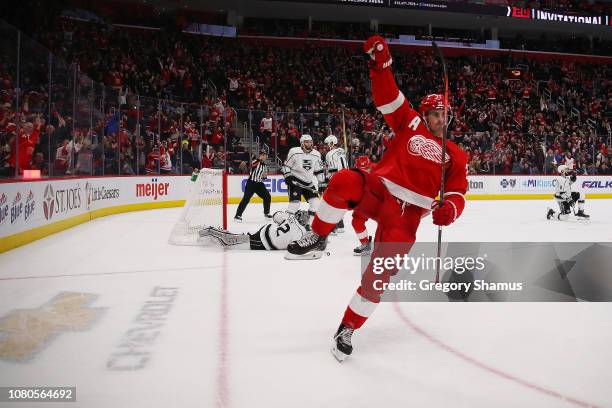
[214, 115]
[491, 93]
[217, 137]
[26, 148]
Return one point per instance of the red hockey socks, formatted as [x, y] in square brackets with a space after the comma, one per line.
[358, 311]
[346, 186]
[360, 229]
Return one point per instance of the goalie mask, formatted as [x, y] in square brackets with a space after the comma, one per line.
[303, 217]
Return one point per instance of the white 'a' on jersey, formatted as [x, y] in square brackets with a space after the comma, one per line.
[302, 167]
[279, 236]
[335, 160]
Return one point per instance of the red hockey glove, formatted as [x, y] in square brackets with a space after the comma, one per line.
[445, 214]
[378, 50]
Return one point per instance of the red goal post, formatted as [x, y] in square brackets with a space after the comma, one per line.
[206, 206]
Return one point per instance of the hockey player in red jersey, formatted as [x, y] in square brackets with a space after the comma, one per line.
[397, 194]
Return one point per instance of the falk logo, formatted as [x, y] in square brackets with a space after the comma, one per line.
[30, 205]
[505, 183]
[25, 332]
[49, 202]
[4, 208]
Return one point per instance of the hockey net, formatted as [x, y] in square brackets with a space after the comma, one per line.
[205, 206]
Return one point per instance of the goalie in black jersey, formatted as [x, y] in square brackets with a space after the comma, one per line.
[285, 228]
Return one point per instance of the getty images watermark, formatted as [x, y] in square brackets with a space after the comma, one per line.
[485, 272]
[427, 265]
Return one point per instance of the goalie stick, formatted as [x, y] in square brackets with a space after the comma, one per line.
[443, 178]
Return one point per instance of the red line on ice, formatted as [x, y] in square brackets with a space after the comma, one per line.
[484, 366]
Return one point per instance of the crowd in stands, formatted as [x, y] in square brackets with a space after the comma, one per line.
[153, 101]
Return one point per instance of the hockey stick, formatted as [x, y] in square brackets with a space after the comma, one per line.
[312, 190]
[443, 178]
[347, 153]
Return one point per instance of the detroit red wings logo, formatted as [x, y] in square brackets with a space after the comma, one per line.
[420, 146]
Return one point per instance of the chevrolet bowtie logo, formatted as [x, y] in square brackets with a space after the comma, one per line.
[25, 332]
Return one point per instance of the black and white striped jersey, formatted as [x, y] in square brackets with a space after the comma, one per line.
[259, 171]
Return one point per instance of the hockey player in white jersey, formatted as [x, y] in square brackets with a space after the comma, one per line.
[335, 160]
[285, 228]
[566, 198]
[303, 164]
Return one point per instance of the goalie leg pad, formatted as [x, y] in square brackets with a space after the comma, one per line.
[224, 238]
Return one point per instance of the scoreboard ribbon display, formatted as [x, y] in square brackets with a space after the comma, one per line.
[501, 11]
[526, 13]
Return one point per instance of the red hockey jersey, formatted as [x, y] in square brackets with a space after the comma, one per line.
[411, 166]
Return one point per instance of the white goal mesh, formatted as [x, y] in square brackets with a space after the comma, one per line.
[205, 206]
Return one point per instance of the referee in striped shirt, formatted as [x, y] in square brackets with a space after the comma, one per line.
[255, 185]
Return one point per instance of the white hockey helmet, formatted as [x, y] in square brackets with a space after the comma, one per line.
[562, 169]
[331, 139]
[306, 138]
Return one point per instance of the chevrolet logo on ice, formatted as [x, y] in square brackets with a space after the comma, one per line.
[25, 332]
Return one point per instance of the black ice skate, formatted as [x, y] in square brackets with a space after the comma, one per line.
[343, 347]
[550, 213]
[582, 215]
[311, 246]
[364, 249]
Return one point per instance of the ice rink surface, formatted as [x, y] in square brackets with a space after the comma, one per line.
[136, 322]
